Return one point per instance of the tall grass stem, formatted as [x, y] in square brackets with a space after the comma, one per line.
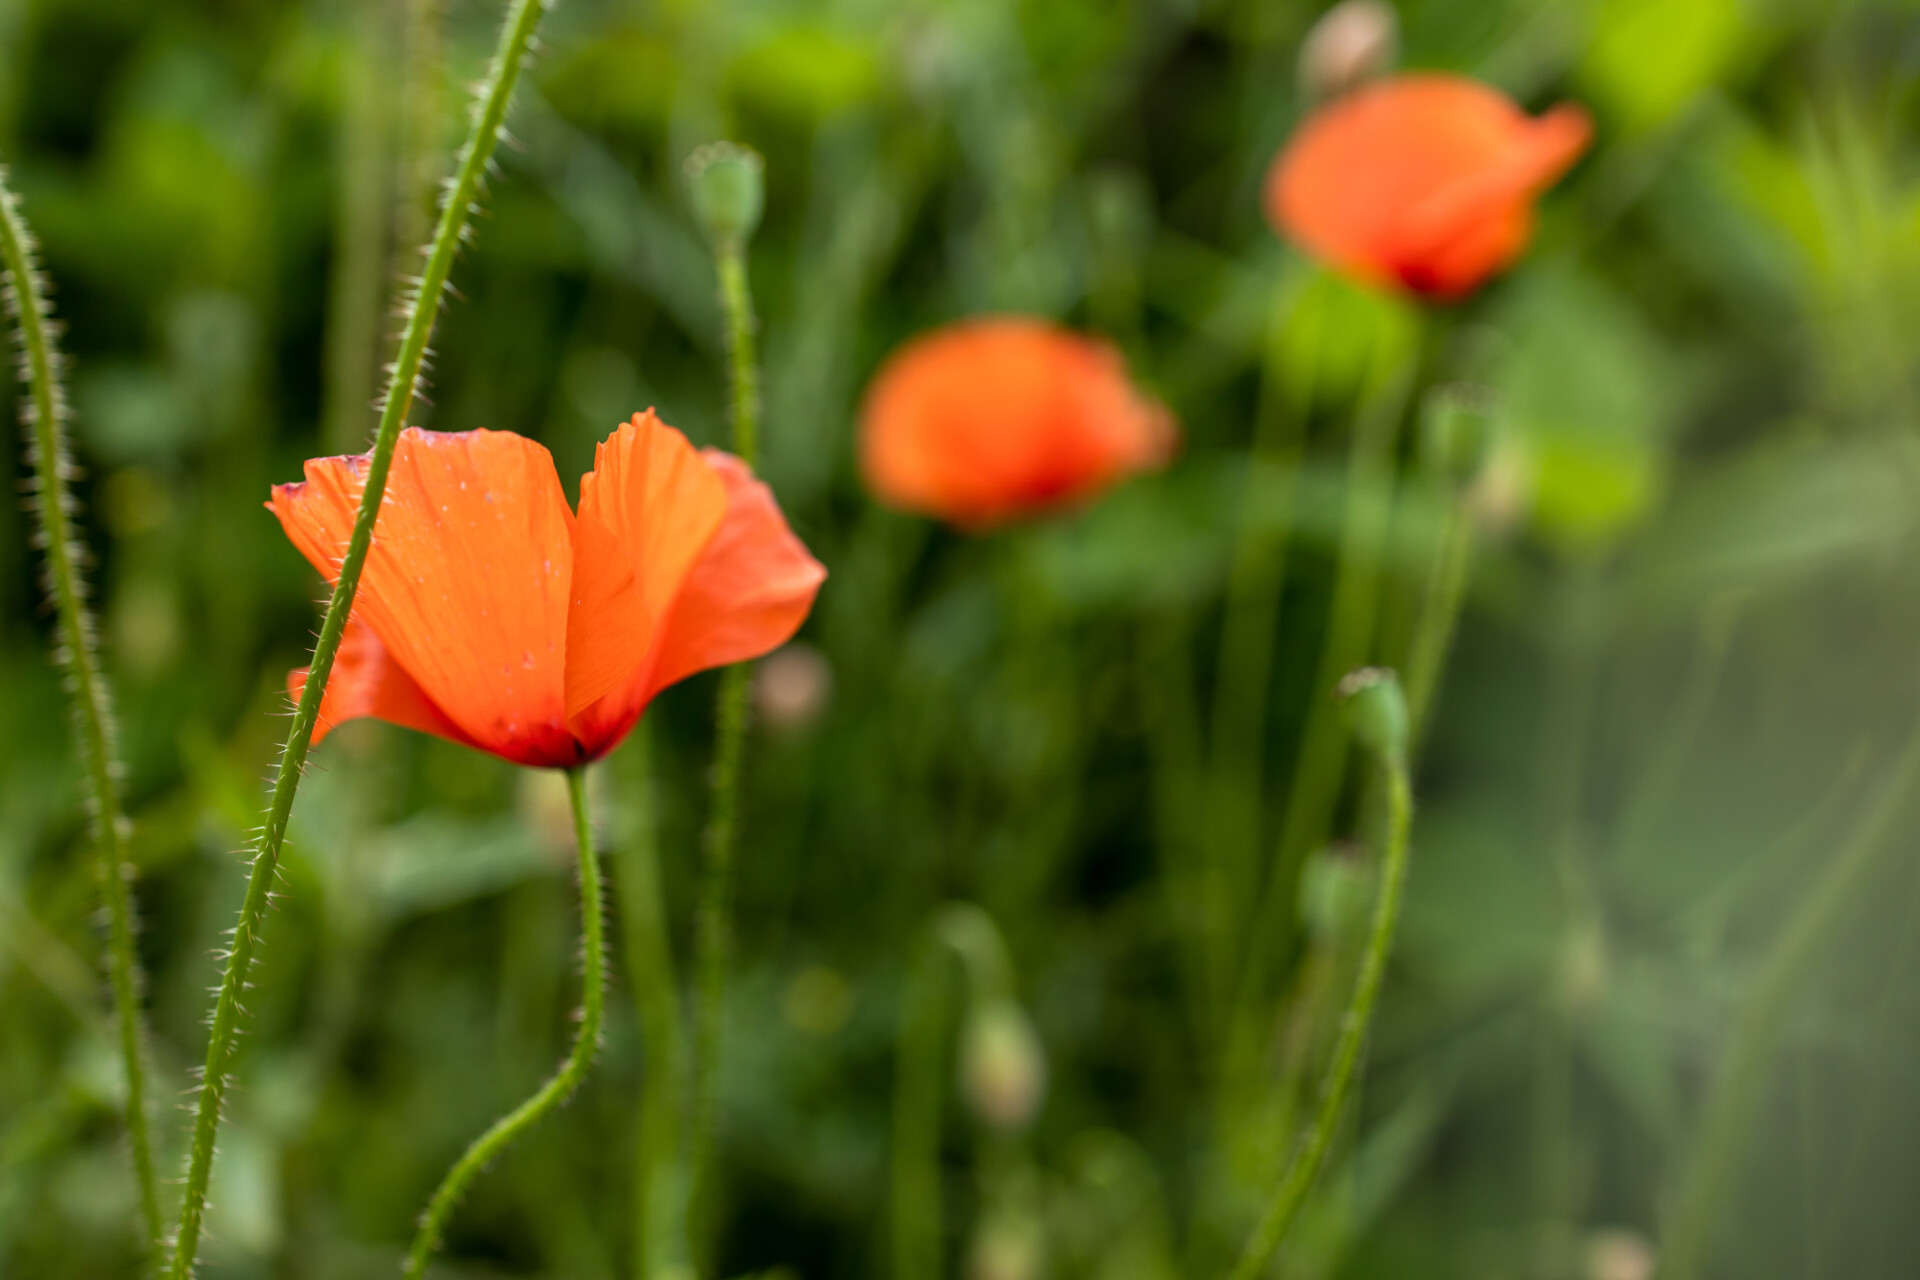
[43, 413]
[495, 91]
[659, 1195]
[914, 1208]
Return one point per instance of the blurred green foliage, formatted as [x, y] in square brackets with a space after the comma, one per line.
[1687, 655]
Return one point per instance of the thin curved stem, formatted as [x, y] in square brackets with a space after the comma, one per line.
[43, 413]
[1299, 1176]
[491, 109]
[586, 1043]
[717, 845]
[1719, 1141]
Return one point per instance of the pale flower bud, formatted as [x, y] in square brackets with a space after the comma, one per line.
[1007, 1246]
[1354, 42]
[546, 809]
[1003, 1070]
[791, 687]
[1618, 1254]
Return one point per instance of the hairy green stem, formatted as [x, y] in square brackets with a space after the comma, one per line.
[491, 109]
[560, 1086]
[1719, 1141]
[1300, 1172]
[742, 364]
[43, 413]
[659, 1180]
[717, 845]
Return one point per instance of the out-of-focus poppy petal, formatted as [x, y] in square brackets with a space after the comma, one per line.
[747, 594]
[651, 501]
[466, 583]
[990, 419]
[1424, 181]
[366, 682]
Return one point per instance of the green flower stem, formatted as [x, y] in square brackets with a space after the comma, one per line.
[1719, 1141]
[659, 1180]
[1241, 697]
[560, 1086]
[1321, 765]
[1300, 1172]
[43, 412]
[1439, 616]
[914, 1209]
[737, 300]
[495, 92]
[717, 845]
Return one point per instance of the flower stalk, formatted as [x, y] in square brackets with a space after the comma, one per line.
[564, 1081]
[727, 200]
[43, 413]
[1378, 714]
[495, 91]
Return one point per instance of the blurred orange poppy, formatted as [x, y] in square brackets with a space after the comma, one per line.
[491, 614]
[988, 420]
[1422, 181]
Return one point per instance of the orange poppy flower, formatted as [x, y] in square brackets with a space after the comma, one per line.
[1423, 181]
[491, 614]
[987, 420]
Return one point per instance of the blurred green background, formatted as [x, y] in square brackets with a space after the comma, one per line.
[1687, 659]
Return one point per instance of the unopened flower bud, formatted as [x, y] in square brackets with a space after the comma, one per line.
[1336, 888]
[728, 191]
[1618, 1254]
[791, 687]
[1007, 1246]
[1458, 425]
[1352, 43]
[1377, 710]
[1003, 1070]
[546, 808]
[1500, 494]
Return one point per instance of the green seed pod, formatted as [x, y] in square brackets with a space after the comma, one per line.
[1377, 710]
[729, 192]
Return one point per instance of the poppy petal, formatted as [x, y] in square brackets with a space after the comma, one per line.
[990, 419]
[466, 583]
[1423, 180]
[650, 500]
[748, 594]
[366, 682]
